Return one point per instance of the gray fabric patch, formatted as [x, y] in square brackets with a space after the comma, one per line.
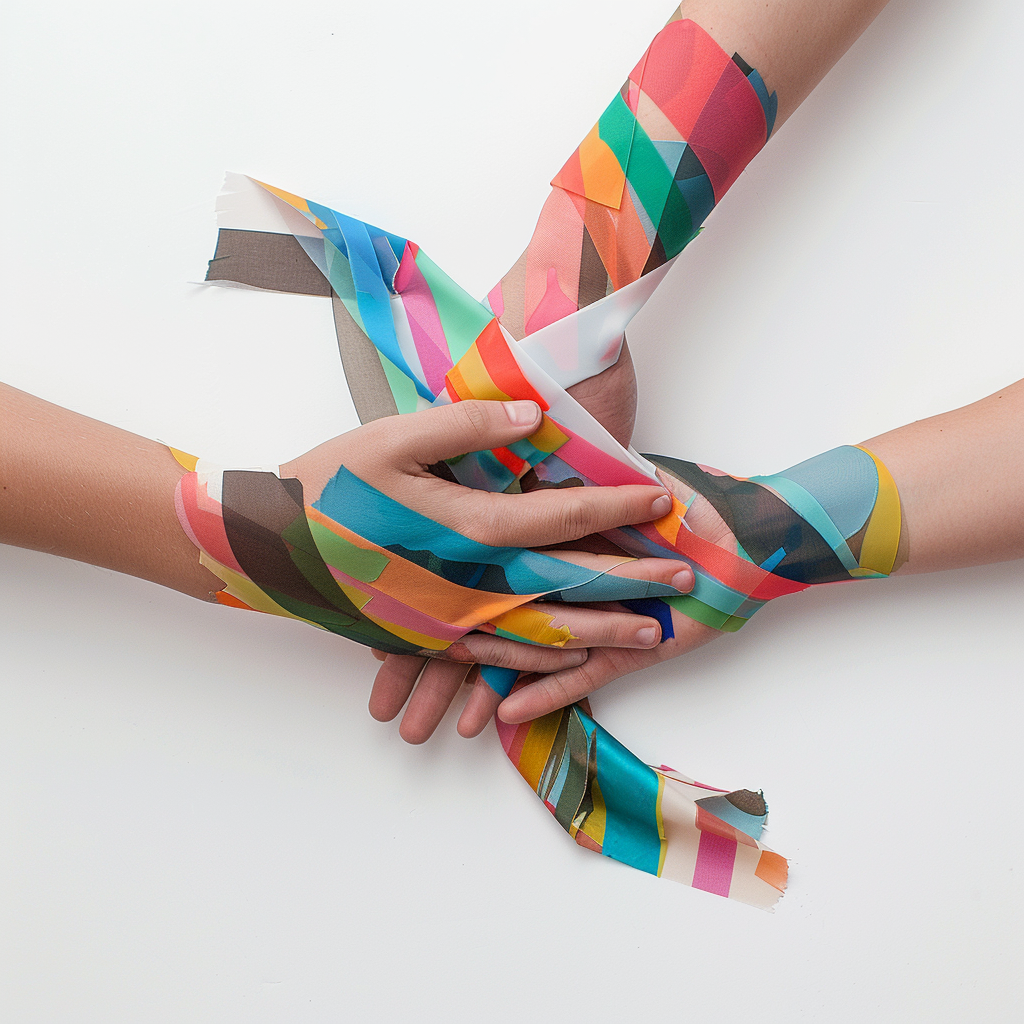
[265, 259]
[367, 382]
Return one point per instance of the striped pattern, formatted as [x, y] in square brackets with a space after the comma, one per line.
[633, 194]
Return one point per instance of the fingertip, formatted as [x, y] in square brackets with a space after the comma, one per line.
[414, 734]
[684, 580]
[522, 414]
[661, 506]
[470, 727]
[381, 711]
[509, 711]
[649, 636]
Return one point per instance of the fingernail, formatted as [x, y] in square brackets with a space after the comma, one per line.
[647, 637]
[662, 506]
[521, 414]
[577, 656]
[683, 580]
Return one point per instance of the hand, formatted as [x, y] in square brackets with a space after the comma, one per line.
[394, 458]
[539, 694]
[616, 637]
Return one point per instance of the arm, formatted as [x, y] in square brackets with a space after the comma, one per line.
[75, 487]
[589, 241]
[792, 44]
[960, 478]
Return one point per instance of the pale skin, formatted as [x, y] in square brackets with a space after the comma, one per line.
[89, 491]
[793, 44]
[76, 487]
[976, 452]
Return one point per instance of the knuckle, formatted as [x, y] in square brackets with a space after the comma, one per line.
[568, 688]
[577, 517]
[492, 521]
[474, 416]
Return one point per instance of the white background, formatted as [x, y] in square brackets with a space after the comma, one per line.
[198, 819]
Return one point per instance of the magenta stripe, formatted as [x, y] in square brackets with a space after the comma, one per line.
[424, 321]
[598, 465]
[715, 859]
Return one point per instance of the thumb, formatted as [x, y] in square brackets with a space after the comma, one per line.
[469, 426]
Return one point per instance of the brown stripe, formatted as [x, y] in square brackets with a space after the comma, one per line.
[265, 259]
[367, 382]
[257, 509]
[593, 276]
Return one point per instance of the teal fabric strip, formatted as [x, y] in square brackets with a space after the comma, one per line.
[384, 521]
[630, 791]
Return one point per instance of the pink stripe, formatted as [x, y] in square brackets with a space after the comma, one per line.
[424, 322]
[389, 609]
[205, 518]
[506, 734]
[496, 300]
[599, 466]
[554, 304]
[715, 859]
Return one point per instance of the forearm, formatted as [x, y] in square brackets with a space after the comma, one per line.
[961, 481]
[792, 43]
[589, 239]
[73, 486]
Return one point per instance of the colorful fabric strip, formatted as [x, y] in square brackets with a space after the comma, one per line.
[634, 193]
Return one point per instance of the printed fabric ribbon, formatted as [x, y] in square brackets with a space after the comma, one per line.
[356, 562]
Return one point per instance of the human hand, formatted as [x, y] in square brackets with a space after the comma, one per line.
[396, 461]
[541, 693]
[833, 518]
[616, 636]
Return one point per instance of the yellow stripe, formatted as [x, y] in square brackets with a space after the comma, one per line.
[882, 539]
[245, 590]
[354, 594]
[547, 438]
[661, 823]
[461, 388]
[595, 823]
[184, 459]
[533, 624]
[537, 746]
[431, 643]
[292, 200]
[478, 380]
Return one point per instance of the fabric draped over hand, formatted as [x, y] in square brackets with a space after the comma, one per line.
[633, 194]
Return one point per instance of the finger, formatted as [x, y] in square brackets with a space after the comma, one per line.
[483, 649]
[470, 426]
[554, 516]
[558, 690]
[598, 627]
[434, 692]
[548, 693]
[379, 655]
[393, 684]
[479, 709]
[669, 571]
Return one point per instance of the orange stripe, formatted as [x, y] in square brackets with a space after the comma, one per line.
[421, 589]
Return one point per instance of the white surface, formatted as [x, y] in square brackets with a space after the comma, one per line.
[198, 820]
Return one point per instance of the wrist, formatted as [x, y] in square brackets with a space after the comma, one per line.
[833, 518]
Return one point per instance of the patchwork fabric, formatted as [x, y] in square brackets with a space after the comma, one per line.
[633, 194]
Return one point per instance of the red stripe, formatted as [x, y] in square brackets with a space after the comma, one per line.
[502, 367]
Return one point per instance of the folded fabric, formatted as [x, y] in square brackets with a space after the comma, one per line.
[634, 193]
